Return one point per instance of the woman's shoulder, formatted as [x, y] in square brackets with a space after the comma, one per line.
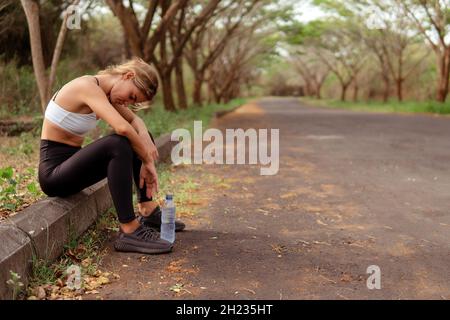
[71, 94]
[86, 84]
[84, 80]
[76, 84]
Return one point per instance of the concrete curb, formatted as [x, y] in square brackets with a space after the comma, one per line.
[42, 229]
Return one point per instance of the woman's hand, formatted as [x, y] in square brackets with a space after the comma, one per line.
[152, 150]
[150, 177]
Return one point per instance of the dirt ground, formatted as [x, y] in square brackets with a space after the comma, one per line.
[354, 189]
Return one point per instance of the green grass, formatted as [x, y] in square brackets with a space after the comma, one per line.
[378, 106]
[182, 187]
[17, 188]
[160, 121]
[18, 91]
[19, 94]
[15, 284]
[25, 147]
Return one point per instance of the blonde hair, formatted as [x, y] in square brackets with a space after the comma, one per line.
[146, 78]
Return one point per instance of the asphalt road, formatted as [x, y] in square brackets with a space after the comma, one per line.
[354, 189]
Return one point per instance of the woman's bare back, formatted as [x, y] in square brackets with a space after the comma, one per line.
[67, 98]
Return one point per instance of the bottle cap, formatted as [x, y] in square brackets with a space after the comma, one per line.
[169, 196]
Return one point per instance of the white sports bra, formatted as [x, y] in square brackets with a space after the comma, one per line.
[76, 123]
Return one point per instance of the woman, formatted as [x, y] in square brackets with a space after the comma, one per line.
[65, 168]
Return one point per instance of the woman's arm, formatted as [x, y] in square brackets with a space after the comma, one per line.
[136, 122]
[96, 99]
[143, 132]
[139, 125]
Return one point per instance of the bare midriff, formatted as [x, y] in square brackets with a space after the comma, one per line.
[51, 131]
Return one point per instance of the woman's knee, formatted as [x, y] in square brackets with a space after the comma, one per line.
[52, 191]
[120, 143]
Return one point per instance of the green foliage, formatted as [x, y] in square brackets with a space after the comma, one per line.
[19, 95]
[336, 6]
[277, 11]
[9, 199]
[182, 188]
[42, 272]
[160, 121]
[298, 33]
[25, 146]
[18, 91]
[15, 284]
[11, 183]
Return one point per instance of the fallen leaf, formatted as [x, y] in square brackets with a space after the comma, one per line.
[40, 293]
[346, 278]
[86, 262]
[176, 288]
[288, 195]
[102, 280]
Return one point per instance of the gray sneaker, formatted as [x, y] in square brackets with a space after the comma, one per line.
[142, 240]
[154, 220]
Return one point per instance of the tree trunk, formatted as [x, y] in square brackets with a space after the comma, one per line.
[319, 84]
[31, 9]
[355, 92]
[318, 89]
[44, 83]
[399, 87]
[444, 74]
[57, 51]
[181, 91]
[210, 92]
[308, 88]
[386, 87]
[166, 84]
[126, 50]
[162, 64]
[197, 93]
[344, 91]
[217, 94]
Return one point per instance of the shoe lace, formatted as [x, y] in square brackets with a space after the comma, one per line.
[147, 233]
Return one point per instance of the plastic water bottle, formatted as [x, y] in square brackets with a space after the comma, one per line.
[168, 219]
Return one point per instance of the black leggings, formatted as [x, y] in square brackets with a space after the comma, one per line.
[65, 170]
